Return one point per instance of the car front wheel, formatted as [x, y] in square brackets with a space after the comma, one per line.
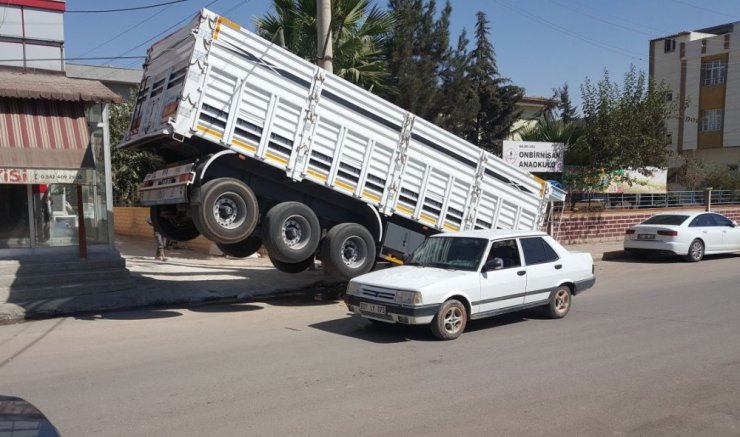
[449, 322]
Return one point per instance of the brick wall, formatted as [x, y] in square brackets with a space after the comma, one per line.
[595, 226]
[131, 221]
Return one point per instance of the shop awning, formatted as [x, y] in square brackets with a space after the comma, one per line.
[53, 86]
[43, 134]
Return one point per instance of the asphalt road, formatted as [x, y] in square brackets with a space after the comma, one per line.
[653, 349]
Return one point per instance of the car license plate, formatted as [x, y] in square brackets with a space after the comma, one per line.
[372, 308]
[646, 236]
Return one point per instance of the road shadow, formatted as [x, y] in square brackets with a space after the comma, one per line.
[505, 319]
[224, 308]
[383, 333]
[145, 314]
[665, 259]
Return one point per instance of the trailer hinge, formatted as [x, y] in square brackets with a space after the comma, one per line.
[302, 147]
[399, 165]
[475, 192]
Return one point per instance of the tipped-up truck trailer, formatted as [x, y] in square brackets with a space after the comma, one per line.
[262, 147]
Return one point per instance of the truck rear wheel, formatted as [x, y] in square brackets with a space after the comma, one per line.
[243, 248]
[228, 212]
[172, 224]
[298, 267]
[348, 250]
[291, 232]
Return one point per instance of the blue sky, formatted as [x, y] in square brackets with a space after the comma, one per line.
[540, 44]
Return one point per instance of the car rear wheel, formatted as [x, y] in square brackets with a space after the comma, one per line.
[449, 322]
[560, 303]
[696, 251]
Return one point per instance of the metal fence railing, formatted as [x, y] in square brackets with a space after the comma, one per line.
[671, 199]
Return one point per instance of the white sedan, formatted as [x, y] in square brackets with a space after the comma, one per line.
[691, 235]
[451, 278]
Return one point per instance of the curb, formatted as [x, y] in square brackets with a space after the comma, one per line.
[615, 255]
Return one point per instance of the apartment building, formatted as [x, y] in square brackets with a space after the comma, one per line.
[702, 69]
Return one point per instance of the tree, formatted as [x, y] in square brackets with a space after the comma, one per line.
[128, 167]
[552, 130]
[458, 103]
[497, 97]
[359, 33]
[623, 127]
[563, 104]
[418, 53]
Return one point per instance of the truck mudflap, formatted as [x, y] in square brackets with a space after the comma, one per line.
[167, 186]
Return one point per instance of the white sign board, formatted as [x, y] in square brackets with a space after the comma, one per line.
[39, 176]
[534, 156]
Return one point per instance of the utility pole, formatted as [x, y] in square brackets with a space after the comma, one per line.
[323, 29]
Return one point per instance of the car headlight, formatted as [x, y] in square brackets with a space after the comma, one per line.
[412, 297]
[353, 288]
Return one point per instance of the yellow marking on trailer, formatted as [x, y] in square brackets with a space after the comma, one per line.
[244, 145]
[229, 23]
[346, 186]
[427, 218]
[402, 208]
[276, 158]
[316, 174]
[392, 259]
[210, 131]
[451, 227]
[371, 196]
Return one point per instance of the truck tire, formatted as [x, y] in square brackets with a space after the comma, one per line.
[228, 212]
[298, 267]
[172, 224]
[348, 250]
[243, 248]
[291, 232]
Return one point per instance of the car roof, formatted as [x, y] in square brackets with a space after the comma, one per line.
[492, 234]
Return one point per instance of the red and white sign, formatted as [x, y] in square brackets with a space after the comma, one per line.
[42, 176]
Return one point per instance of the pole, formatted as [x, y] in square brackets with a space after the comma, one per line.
[323, 28]
[81, 235]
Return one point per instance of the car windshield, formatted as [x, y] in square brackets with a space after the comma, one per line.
[666, 219]
[457, 253]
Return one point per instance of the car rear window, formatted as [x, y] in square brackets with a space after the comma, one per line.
[666, 219]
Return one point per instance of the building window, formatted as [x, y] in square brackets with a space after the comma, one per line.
[669, 96]
[713, 72]
[711, 120]
[669, 45]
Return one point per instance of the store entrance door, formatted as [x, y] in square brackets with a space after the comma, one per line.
[15, 226]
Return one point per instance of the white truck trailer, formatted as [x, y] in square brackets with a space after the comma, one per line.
[262, 147]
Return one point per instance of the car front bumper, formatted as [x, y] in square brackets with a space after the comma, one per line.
[656, 246]
[394, 313]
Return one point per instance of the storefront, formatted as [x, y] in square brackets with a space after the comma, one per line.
[55, 185]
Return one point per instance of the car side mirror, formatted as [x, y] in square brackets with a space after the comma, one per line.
[494, 264]
[733, 224]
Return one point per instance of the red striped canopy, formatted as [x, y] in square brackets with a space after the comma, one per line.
[44, 134]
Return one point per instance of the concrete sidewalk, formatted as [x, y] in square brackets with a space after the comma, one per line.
[190, 277]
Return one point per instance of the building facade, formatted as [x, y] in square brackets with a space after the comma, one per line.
[55, 186]
[702, 70]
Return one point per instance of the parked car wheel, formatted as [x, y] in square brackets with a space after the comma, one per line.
[173, 224]
[348, 250]
[298, 267]
[560, 303]
[449, 322]
[228, 212]
[242, 249]
[696, 251]
[291, 232]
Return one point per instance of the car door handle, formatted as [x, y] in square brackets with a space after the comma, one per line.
[521, 272]
[558, 266]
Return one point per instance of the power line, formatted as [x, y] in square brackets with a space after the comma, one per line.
[70, 59]
[701, 8]
[136, 8]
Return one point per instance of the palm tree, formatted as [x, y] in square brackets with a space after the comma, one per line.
[359, 33]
